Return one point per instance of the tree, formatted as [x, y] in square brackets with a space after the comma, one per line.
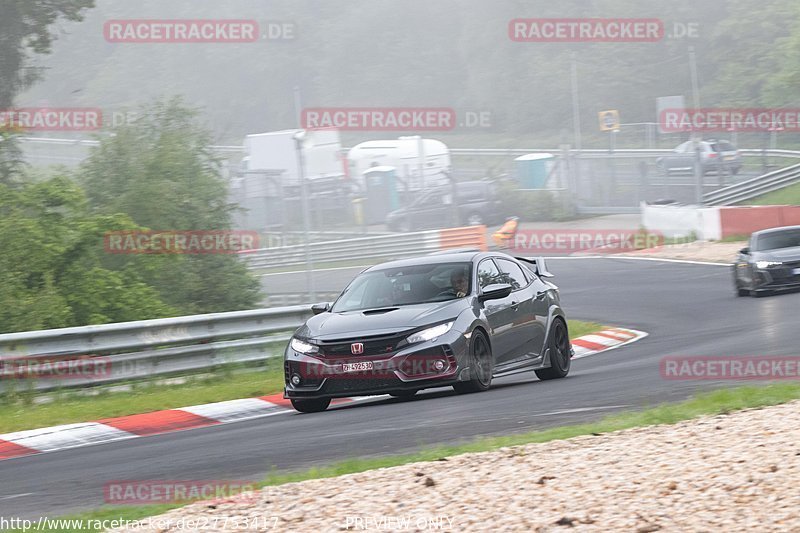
[50, 269]
[25, 25]
[161, 172]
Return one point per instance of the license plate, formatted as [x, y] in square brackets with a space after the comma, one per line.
[357, 367]
[730, 157]
[796, 271]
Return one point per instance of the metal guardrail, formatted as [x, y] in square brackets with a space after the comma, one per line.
[108, 353]
[620, 152]
[754, 187]
[393, 246]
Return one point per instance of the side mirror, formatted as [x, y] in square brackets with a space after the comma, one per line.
[320, 308]
[495, 291]
[745, 251]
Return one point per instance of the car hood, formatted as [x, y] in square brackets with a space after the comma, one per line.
[330, 326]
[781, 254]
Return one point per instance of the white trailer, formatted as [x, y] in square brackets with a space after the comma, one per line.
[277, 151]
[420, 163]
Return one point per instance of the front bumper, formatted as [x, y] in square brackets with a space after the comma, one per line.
[429, 364]
[776, 278]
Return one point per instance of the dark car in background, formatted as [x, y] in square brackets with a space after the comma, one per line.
[715, 155]
[477, 203]
[770, 263]
[454, 319]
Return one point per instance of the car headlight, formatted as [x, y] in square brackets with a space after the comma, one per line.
[767, 264]
[303, 347]
[430, 333]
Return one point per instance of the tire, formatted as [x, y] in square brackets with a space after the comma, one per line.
[311, 406]
[481, 366]
[403, 395]
[560, 360]
[474, 219]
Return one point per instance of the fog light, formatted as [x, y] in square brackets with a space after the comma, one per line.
[438, 365]
[296, 379]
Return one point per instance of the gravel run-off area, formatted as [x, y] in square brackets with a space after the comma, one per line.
[713, 252]
[734, 472]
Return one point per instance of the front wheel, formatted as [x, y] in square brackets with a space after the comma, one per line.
[311, 406]
[560, 360]
[481, 366]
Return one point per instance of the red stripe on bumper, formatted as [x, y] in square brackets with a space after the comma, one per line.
[158, 422]
[9, 450]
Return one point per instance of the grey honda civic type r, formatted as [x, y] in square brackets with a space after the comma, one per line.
[455, 319]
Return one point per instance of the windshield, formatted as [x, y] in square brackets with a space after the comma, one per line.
[408, 285]
[778, 239]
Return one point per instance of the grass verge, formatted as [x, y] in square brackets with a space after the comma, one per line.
[21, 412]
[721, 401]
[787, 196]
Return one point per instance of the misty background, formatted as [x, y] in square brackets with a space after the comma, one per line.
[449, 53]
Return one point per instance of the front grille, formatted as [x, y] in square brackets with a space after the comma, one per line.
[382, 345]
[336, 385]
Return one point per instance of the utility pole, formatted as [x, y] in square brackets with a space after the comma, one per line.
[576, 118]
[299, 139]
[698, 163]
[576, 130]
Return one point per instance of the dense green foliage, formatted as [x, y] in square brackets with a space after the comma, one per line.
[155, 174]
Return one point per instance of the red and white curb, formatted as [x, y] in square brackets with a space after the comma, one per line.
[604, 340]
[67, 436]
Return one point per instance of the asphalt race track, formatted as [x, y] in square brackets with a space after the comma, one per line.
[687, 309]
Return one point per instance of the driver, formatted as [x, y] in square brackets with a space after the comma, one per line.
[458, 280]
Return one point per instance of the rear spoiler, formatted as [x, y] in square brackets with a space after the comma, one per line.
[539, 267]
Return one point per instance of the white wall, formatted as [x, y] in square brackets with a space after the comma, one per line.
[681, 220]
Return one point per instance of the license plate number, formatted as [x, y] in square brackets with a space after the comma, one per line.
[357, 367]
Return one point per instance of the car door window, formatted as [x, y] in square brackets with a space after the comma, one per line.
[488, 274]
[512, 274]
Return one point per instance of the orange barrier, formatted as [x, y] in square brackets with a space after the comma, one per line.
[743, 220]
[466, 237]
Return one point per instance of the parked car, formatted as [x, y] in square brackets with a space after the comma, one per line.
[770, 263]
[477, 203]
[715, 155]
[451, 319]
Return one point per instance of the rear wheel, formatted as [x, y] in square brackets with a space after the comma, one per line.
[560, 360]
[311, 406]
[481, 366]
